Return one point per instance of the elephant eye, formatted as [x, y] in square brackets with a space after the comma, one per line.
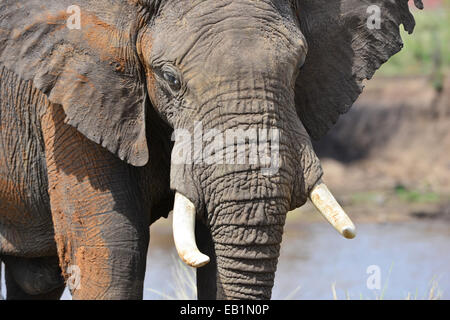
[172, 79]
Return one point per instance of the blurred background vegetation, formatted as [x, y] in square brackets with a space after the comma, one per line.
[427, 50]
[396, 137]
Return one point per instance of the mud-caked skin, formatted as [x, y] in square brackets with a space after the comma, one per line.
[86, 122]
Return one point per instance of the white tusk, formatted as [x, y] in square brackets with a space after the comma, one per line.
[184, 232]
[327, 205]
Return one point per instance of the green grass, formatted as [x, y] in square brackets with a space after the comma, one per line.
[365, 197]
[433, 293]
[183, 283]
[399, 193]
[414, 196]
[427, 50]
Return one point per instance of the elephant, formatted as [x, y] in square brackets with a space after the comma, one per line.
[99, 101]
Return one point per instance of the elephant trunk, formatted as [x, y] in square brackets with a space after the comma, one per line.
[246, 260]
[246, 235]
[246, 217]
[249, 172]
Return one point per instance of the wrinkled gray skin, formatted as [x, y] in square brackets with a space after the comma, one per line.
[252, 87]
[290, 65]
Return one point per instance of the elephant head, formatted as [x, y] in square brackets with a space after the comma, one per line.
[226, 76]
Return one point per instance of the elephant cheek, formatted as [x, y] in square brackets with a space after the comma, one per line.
[144, 49]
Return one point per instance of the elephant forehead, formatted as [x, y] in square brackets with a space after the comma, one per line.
[241, 30]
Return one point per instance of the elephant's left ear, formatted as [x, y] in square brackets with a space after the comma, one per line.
[83, 58]
[348, 40]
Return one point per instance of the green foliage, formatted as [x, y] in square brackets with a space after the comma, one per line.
[427, 50]
[400, 193]
[365, 197]
[415, 196]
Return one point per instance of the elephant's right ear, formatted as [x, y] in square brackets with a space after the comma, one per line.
[348, 40]
[83, 58]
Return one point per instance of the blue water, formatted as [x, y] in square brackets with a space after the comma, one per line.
[408, 256]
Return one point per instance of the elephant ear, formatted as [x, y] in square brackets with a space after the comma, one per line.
[343, 51]
[93, 71]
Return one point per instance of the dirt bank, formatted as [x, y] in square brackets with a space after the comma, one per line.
[389, 157]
